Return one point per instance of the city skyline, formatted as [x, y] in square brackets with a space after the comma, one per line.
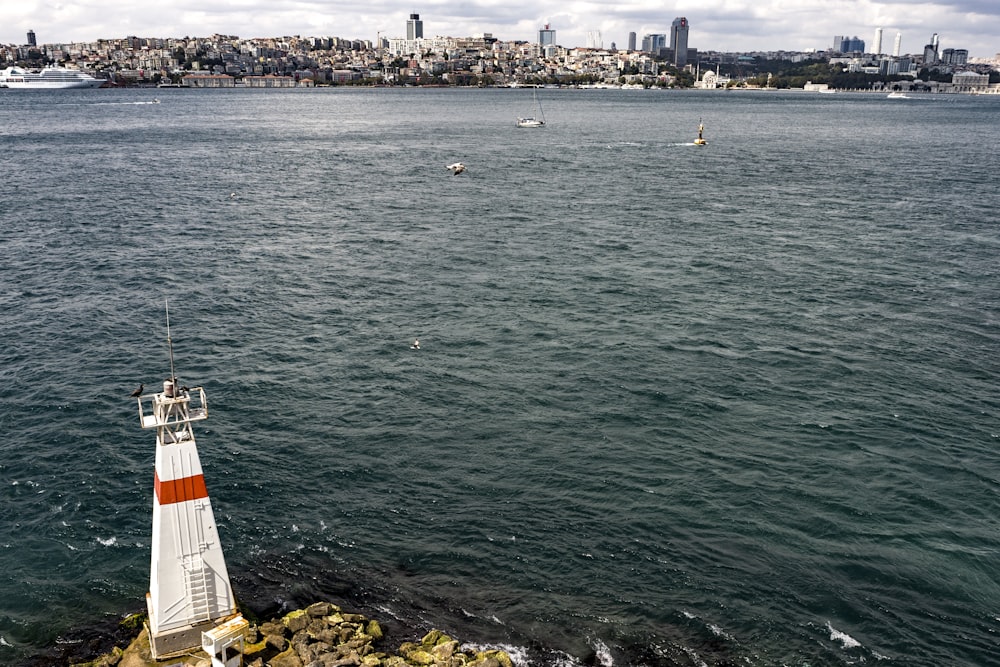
[718, 25]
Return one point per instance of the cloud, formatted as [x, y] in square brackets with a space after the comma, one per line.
[721, 25]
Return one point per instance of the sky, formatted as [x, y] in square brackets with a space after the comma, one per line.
[715, 25]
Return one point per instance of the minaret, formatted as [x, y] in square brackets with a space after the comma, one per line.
[189, 589]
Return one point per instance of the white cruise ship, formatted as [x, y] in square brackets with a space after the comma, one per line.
[49, 78]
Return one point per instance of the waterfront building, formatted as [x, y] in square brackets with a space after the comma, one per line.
[546, 36]
[414, 28]
[208, 80]
[679, 41]
[970, 82]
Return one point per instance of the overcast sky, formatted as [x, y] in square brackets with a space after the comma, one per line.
[720, 25]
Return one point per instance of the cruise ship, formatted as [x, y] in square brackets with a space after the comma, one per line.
[49, 78]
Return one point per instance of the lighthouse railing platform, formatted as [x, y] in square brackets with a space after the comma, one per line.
[164, 410]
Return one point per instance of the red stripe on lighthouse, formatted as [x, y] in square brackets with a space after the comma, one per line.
[179, 490]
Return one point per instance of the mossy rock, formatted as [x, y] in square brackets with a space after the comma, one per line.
[420, 657]
[296, 620]
[287, 658]
[132, 622]
[432, 638]
[375, 630]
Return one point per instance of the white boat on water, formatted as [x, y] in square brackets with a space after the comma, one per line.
[537, 120]
[48, 78]
[896, 95]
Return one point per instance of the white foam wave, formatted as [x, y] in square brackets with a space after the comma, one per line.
[695, 658]
[603, 654]
[719, 632]
[845, 639]
[110, 542]
[561, 659]
[4, 642]
[518, 654]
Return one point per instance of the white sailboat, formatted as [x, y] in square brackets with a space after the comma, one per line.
[536, 120]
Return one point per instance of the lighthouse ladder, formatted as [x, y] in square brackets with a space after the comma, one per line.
[196, 577]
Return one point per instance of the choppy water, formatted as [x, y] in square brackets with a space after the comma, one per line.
[673, 405]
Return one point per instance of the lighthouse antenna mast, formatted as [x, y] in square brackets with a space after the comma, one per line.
[170, 343]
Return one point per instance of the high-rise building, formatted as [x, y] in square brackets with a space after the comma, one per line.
[955, 56]
[852, 45]
[594, 40]
[878, 42]
[31, 38]
[837, 41]
[896, 44]
[679, 40]
[414, 27]
[547, 36]
[631, 41]
[931, 50]
[654, 43]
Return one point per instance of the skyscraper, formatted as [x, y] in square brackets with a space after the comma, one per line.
[931, 50]
[414, 27]
[653, 43]
[852, 45]
[631, 41]
[896, 44]
[878, 42]
[547, 37]
[679, 40]
[31, 38]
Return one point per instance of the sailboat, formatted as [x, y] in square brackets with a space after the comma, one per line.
[700, 141]
[533, 121]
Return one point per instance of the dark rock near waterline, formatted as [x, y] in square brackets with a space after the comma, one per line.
[322, 635]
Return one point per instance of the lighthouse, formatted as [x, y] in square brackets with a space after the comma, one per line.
[189, 590]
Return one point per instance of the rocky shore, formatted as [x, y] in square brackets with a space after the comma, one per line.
[321, 635]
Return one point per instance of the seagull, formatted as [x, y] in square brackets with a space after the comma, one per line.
[137, 392]
[232, 195]
[456, 168]
[416, 344]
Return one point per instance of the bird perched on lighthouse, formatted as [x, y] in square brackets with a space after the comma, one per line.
[456, 168]
[137, 392]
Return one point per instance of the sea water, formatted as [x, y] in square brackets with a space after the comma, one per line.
[673, 405]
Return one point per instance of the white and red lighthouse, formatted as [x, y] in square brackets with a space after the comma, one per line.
[189, 589]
